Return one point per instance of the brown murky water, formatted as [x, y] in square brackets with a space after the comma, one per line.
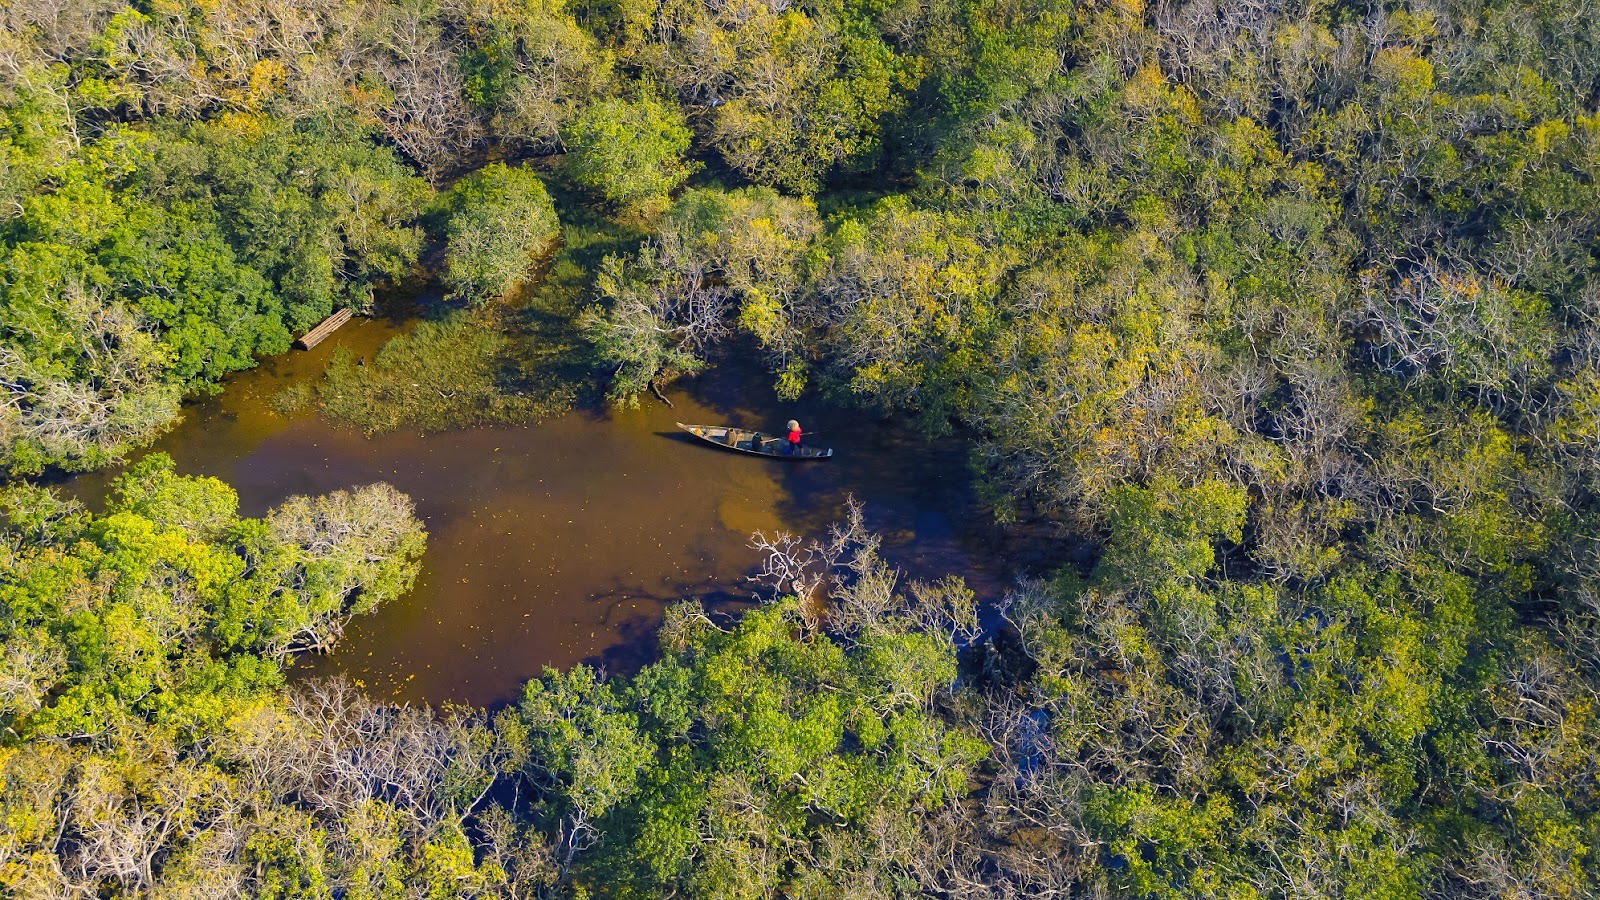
[563, 541]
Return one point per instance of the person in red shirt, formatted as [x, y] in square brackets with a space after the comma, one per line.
[794, 437]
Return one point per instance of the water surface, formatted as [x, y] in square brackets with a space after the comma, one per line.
[563, 541]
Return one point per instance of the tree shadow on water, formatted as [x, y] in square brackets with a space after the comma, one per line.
[547, 354]
[635, 638]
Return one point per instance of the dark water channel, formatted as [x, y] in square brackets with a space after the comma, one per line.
[562, 542]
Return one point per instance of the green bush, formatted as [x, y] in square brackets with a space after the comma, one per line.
[630, 152]
[501, 218]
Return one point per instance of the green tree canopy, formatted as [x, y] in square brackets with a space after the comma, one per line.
[629, 152]
[501, 220]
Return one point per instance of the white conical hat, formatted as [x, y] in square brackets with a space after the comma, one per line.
[793, 425]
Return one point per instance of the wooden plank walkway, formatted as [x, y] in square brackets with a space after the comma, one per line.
[328, 326]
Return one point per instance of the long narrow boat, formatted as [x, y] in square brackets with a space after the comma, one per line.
[756, 442]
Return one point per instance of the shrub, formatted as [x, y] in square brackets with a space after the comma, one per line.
[501, 218]
[630, 152]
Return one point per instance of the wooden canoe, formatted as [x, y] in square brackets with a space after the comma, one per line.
[774, 445]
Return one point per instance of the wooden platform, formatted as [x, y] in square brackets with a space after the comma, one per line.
[328, 326]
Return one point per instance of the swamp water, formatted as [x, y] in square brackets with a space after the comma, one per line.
[562, 542]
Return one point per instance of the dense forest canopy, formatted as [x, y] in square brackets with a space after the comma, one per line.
[1292, 309]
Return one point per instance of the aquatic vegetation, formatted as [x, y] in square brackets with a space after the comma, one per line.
[293, 399]
[454, 373]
